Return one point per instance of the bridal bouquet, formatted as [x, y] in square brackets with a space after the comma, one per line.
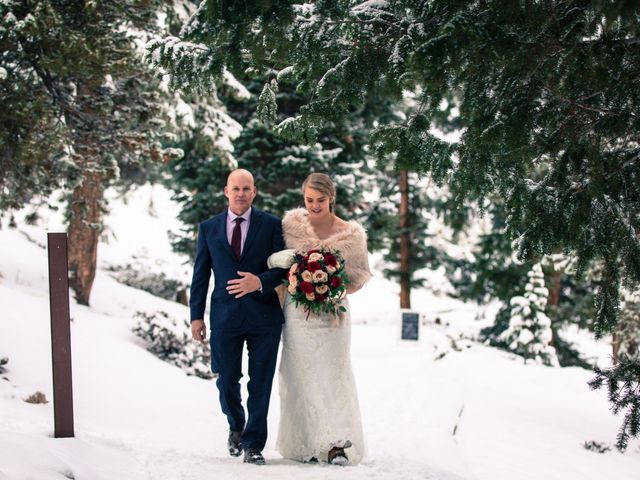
[317, 280]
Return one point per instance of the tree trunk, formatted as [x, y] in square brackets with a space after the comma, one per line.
[554, 294]
[554, 301]
[84, 231]
[85, 209]
[405, 242]
[615, 347]
[183, 297]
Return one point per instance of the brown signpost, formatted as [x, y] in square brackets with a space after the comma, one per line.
[60, 334]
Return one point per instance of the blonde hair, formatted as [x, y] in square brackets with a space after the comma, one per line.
[323, 184]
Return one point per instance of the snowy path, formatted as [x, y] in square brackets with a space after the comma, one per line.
[138, 418]
[397, 436]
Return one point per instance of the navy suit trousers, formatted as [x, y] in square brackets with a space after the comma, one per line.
[226, 358]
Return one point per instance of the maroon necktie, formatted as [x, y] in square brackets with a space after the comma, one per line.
[236, 238]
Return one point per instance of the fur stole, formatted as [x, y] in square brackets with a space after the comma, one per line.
[350, 242]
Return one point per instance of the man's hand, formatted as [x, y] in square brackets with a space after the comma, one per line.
[198, 330]
[241, 286]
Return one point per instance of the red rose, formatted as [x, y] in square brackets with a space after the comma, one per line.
[320, 297]
[335, 282]
[313, 266]
[306, 287]
[330, 259]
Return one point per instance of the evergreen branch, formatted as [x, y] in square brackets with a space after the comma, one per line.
[351, 22]
[624, 393]
[58, 96]
[597, 41]
[581, 105]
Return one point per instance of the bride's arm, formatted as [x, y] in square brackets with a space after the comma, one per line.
[357, 260]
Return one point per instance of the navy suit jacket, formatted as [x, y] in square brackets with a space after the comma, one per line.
[214, 254]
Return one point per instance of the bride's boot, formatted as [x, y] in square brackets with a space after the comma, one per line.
[337, 456]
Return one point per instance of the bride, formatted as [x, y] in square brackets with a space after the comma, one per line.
[319, 412]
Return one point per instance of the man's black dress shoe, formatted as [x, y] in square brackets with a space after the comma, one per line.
[253, 455]
[233, 444]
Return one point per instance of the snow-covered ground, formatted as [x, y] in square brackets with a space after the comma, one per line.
[443, 408]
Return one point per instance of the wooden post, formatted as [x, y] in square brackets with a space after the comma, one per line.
[60, 334]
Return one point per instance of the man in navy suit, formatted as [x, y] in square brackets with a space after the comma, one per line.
[244, 309]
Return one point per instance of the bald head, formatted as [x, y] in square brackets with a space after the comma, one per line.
[240, 190]
[240, 173]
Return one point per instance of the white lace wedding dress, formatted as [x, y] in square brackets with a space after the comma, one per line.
[318, 398]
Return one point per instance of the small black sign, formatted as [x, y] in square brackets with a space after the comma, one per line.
[410, 325]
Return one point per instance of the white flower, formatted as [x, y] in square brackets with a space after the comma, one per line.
[319, 276]
[310, 296]
[315, 257]
[306, 276]
[291, 289]
[322, 289]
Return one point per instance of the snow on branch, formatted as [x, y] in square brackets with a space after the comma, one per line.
[190, 65]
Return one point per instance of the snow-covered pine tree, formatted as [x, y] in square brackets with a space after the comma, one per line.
[200, 127]
[96, 108]
[199, 118]
[529, 333]
[30, 126]
[494, 272]
[491, 271]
